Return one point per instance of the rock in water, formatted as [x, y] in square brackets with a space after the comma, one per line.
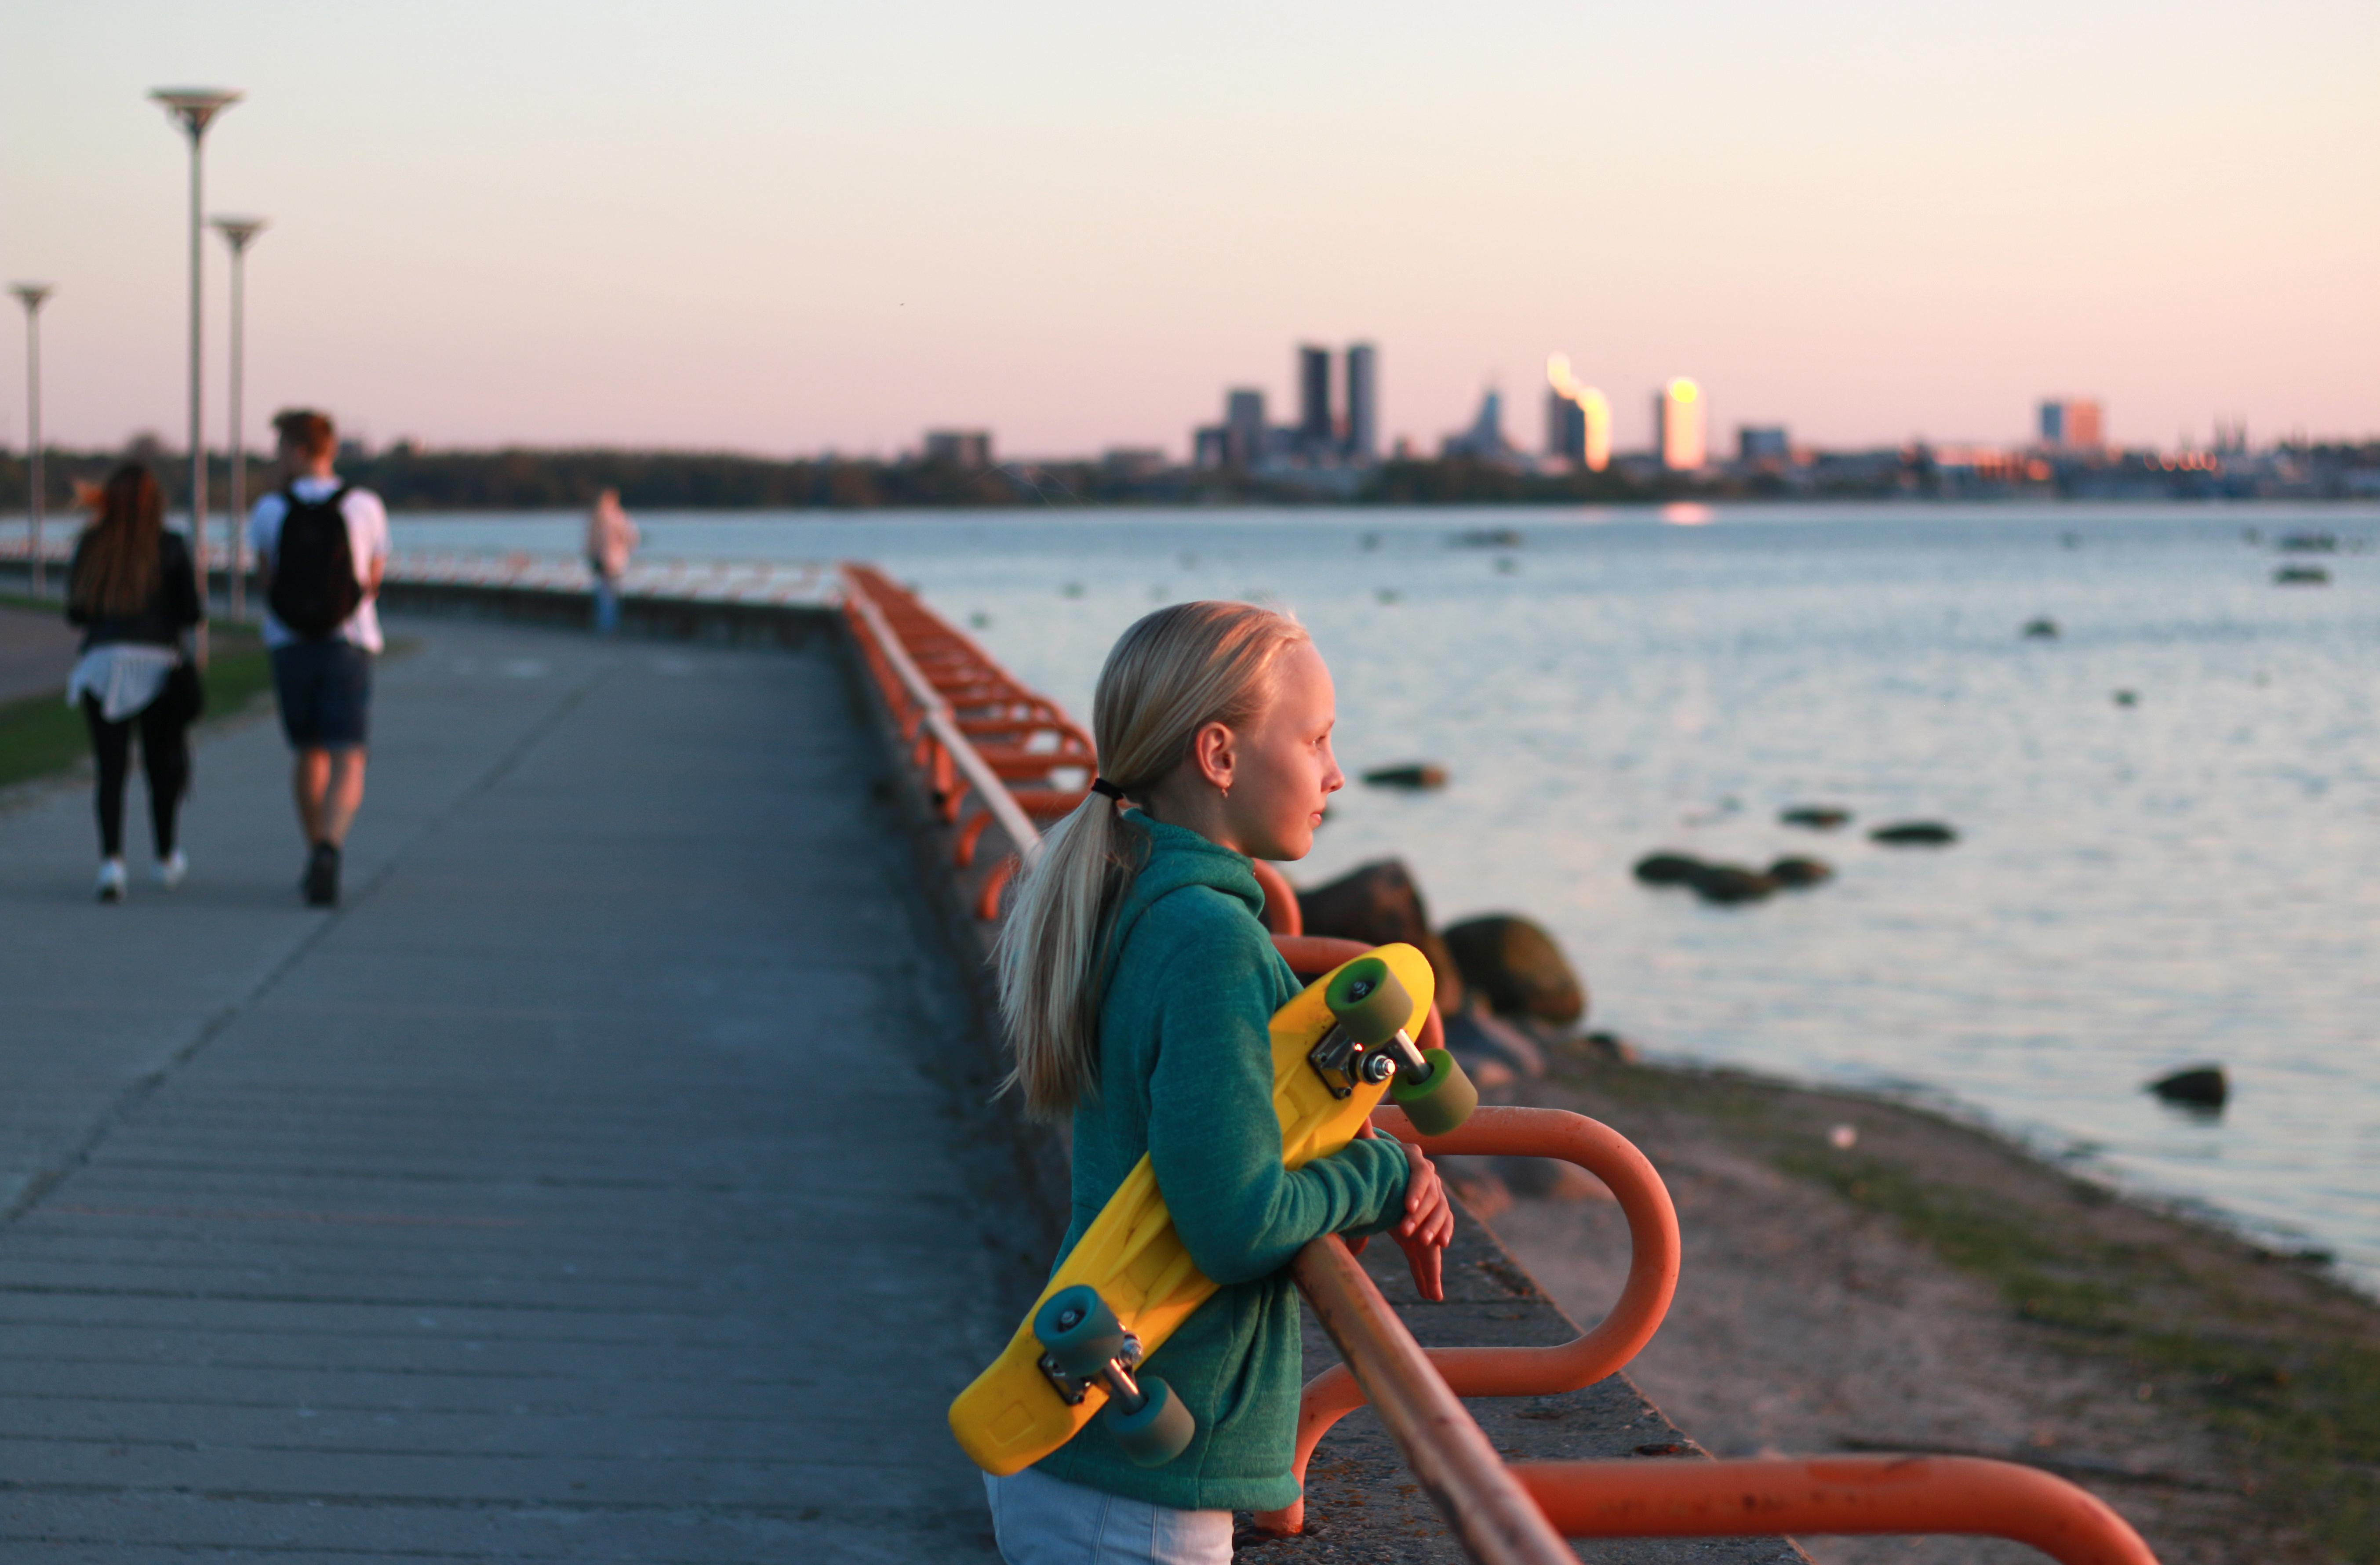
[1712, 883]
[1516, 968]
[1731, 883]
[1817, 817]
[1421, 774]
[1667, 868]
[1914, 833]
[2206, 1086]
[1795, 873]
[2301, 576]
[2041, 630]
[1378, 904]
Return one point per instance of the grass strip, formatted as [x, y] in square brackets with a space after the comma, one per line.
[41, 735]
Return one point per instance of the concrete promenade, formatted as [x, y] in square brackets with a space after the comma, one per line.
[584, 1188]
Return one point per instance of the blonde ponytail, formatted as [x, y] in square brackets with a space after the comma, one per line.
[1171, 674]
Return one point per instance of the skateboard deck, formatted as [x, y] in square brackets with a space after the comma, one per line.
[1013, 1415]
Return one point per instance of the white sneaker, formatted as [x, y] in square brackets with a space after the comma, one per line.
[169, 874]
[111, 879]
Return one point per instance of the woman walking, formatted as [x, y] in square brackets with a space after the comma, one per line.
[133, 592]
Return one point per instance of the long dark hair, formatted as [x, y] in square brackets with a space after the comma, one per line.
[115, 565]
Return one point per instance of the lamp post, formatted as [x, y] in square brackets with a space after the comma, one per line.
[32, 294]
[194, 108]
[237, 233]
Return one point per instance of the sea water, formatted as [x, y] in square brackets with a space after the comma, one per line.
[2189, 876]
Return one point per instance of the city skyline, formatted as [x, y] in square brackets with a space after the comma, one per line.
[645, 239]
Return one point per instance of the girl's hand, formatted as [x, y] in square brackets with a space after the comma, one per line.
[1427, 1227]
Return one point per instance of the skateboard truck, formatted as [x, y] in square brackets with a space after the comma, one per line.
[1083, 1346]
[1342, 1062]
[1116, 1375]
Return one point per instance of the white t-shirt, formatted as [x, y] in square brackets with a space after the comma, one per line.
[367, 541]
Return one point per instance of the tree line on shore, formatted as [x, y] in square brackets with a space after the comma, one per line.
[410, 477]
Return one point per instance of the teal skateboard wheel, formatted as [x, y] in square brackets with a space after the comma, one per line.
[1369, 1001]
[1441, 1102]
[1078, 1330]
[1159, 1431]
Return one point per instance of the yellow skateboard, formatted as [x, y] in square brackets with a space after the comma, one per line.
[1336, 1049]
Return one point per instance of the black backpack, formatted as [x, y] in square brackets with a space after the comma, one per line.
[314, 585]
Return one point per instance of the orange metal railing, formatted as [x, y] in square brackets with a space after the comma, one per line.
[1847, 1494]
[992, 753]
[988, 750]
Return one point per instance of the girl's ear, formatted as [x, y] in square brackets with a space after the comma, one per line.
[1214, 750]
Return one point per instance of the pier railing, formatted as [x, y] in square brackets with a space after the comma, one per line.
[990, 753]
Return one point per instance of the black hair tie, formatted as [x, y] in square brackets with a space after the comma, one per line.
[1102, 786]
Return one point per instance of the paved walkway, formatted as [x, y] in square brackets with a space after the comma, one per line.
[581, 1190]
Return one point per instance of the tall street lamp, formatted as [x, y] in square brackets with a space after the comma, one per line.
[237, 233]
[194, 108]
[32, 294]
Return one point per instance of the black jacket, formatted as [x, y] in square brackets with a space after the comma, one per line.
[173, 603]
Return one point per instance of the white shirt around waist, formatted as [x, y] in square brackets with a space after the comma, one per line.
[366, 542]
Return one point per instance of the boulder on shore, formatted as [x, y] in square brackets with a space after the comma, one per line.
[1378, 904]
[1515, 966]
[1817, 817]
[1914, 833]
[1475, 1037]
[2205, 1085]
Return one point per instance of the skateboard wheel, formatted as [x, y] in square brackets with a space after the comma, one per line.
[1078, 1330]
[1159, 1432]
[1369, 1001]
[1441, 1103]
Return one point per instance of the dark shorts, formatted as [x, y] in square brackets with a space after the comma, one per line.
[325, 690]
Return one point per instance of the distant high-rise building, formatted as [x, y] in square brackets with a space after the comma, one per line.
[1678, 426]
[2072, 423]
[1484, 441]
[1313, 429]
[1565, 426]
[1244, 427]
[1598, 429]
[962, 448]
[1362, 402]
[1578, 418]
[1762, 443]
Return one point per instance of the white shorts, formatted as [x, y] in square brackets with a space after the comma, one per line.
[1044, 1521]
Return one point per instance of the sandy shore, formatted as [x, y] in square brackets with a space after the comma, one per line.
[1930, 1288]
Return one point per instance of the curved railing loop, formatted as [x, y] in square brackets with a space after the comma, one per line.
[1527, 1372]
[1832, 1495]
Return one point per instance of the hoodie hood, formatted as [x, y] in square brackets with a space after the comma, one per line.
[1171, 859]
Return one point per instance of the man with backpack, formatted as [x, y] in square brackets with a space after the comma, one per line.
[320, 546]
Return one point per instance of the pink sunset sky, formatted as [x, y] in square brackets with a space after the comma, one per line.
[781, 228]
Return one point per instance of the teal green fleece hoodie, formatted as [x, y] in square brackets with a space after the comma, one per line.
[1186, 1076]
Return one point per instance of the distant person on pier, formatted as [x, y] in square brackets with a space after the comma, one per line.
[320, 548]
[132, 589]
[611, 538]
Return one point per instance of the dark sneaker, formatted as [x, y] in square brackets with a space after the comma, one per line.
[323, 877]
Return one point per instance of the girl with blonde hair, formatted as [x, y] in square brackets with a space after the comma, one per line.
[1136, 984]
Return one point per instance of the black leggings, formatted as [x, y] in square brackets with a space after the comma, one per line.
[164, 755]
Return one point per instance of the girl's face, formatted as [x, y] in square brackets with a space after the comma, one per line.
[1277, 772]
